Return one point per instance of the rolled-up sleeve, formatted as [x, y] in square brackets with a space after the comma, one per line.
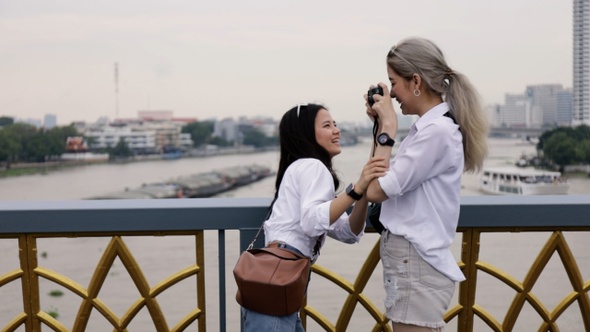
[389, 183]
[410, 169]
[340, 230]
[317, 193]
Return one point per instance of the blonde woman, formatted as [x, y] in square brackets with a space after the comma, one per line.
[420, 193]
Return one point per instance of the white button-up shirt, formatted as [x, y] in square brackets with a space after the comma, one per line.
[301, 213]
[423, 187]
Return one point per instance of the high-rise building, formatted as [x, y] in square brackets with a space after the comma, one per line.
[565, 107]
[50, 121]
[581, 62]
[543, 101]
[515, 113]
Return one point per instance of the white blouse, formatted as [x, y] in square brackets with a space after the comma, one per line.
[423, 187]
[301, 213]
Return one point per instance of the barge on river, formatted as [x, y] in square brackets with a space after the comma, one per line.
[196, 185]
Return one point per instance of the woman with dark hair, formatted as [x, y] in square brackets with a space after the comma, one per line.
[421, 189]
[307, 207]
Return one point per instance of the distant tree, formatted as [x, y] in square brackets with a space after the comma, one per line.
[23, 133]
[561, 149]
[121, 150]
[23, 142]
[566, 145]
[200, 132]
[56, 139]
[37, 148]
[6, 121]
[581, 133]
[583, 151]
[90, 141]
[254, 137]
[9, 147]
[566, 130]
[219, 141]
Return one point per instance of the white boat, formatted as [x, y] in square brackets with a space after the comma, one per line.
[522, 181]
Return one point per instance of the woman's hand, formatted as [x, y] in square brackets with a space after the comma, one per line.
[383, 109]
[372, 114]
[374, 168]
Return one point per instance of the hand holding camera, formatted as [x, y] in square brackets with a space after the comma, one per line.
[384, 114]
[376, 90]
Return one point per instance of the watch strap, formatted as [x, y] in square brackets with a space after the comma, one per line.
[350, 192]
[385, 139]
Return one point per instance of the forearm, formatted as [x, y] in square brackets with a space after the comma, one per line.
[358, 216]
[374, 192]
[339, 205]
[384, 151]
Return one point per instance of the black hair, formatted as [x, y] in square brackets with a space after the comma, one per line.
[297, 140]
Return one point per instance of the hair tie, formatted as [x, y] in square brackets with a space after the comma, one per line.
[447, 76]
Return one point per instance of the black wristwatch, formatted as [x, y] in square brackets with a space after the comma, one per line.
[384, 139]
[350, 192]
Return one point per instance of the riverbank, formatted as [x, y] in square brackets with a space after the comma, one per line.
[20, 169]
[84, 182]
[41, 168]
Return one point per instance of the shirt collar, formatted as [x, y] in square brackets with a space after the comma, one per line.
[432, 114]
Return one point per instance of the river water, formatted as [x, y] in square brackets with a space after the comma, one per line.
[119, 292]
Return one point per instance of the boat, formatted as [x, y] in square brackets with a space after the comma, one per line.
[146, 191]
[522, 181]
[202, 185]
[196, 185]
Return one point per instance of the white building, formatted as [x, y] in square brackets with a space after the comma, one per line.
[165, 128]
[185, 141]
[266, 125]
[492, 112]
[141, 141]
[226, 129]
[581, 57]
[167, 134]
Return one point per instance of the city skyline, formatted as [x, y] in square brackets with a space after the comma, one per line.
[228, 58]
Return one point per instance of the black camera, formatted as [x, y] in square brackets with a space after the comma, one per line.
[376, 90]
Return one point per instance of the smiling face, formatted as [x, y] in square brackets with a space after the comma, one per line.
[326, 133]
[401, 92]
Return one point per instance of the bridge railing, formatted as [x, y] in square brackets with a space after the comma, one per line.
[165, 265]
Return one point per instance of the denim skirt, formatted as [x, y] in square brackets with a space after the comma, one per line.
[416, 293]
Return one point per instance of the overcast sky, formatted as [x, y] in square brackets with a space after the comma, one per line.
[227, 58]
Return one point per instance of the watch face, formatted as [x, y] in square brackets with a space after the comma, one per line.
[384, 139]
[349, 189]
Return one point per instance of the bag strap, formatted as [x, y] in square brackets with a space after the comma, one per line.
[375, 128]
[265, 219]
[280, 253]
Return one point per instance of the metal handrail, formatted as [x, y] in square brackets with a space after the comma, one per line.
[28, 220]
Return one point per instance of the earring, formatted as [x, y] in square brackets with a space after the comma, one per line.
[417, 93]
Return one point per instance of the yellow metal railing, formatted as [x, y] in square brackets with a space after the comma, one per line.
[19, 225]
[34, 317]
